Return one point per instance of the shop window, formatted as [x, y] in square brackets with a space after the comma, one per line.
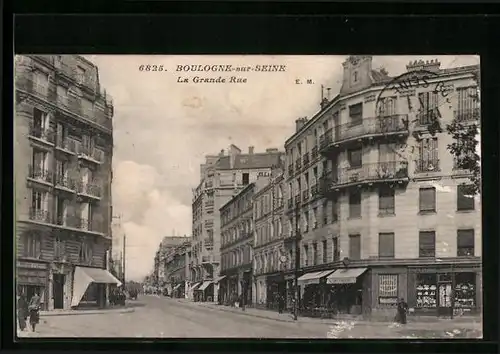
[386, 201]
[355, 204]
[465, 243]
[427, 200]
[32, 245]
[355, 157]
[355, 247]
[386, 244]
[465, 290]
[427, 244]
[388, 289]
[465, 198]
[426, 290]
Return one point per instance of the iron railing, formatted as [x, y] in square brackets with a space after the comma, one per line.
[92, 189]
[41, 133]
[305, 159]
[67, 144]
[66, 182]
[40, 215]
[41, 174]
[90, 152]
[426, 165]
[314, 152]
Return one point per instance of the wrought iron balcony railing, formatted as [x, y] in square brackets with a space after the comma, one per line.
[314, 152]
[40, 215]
[426, 165]
[41, 174]
[88, 225]
[66, 182]
[92, 189]
[305, 196]
[41, 133]
[67, 144]
[305, 159]
[89, 152]
[467, 115]
[290, 169]
[368, 127]
[298, 164]
[314, 190]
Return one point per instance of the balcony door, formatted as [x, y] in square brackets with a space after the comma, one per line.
[39, 160]
[62, 211]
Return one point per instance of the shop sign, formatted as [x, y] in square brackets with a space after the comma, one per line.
[341, 280]
[388, 300]
[30, 265]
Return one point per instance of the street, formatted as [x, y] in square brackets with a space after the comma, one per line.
[160, 317]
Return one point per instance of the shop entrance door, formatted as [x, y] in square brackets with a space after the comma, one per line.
[445, 299]
[58, 290]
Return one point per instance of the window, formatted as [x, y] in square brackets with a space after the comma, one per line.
[80, 74]
[306, 221]
[467, 104]
[355, 157]
[427, 244]
[356, 114]
[429, 107]
[426, 290]
[427, 199]
[32, 245]
[39, 161]
[428, 160]
[388, 289]
[386, 244]
[325, 213]
[315, 218]
[306, 254]
[387, 106]
[325, 251]
[465, 198]
[355, 204]
[335, 249]
[465, 243]
[335, 211]
[386, 201]
[246, 179]
[314, 254]
[355, 247]
[355, 76]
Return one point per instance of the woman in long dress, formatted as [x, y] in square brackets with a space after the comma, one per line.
[34, 311]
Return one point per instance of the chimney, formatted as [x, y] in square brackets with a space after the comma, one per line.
[250, 150]
[221, 153]
[299, 123]
[432, 65]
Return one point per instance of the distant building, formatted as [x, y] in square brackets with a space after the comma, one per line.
[167, 245]
[222, 177]
[177, 273]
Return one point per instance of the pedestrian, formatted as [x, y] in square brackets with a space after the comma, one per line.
[22, 311]
[281, 303]
[401, 311]
[34, 310]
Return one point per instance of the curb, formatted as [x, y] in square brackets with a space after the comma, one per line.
[85, 312]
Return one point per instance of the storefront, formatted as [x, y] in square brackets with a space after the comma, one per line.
[33, 278]
[445, 291]
[346, 291]
[218, 288]
[204, 292]
[89, 286]
[61, 286]
[312, 288]
[276, 286]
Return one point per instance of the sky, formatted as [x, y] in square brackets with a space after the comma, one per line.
[163, 129]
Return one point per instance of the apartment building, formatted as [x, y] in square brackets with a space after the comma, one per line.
[272, 263]
[62, 155]
[221, 177]
[381, 209]
[167, 245]
[177, 271]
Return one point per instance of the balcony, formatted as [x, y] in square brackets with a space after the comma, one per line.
[41, 135]
[305, 196]
[427, 166]
[314, 152]
[467, 115]
[73, 105]
[380, 172]
[90, 190]
[40, 215]
[396, 125]
[66, 183]
[66, 145]
[40, 175]
[305, 159]
[87, 225]
[90, 154]
[297, 200]
[298, 165]
[290, 169]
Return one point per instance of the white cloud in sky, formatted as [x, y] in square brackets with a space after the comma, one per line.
[163, 129]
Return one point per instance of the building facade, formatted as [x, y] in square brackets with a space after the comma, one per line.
[166, 247]
[63, 157]
[381, 209]
[177, 273]
[221, 177]
[272, 263]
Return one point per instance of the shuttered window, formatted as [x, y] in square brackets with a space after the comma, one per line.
[427, 244]
[465, 243]
[386, 201]
[355, 204]
[465, 197]
[356, 113]
[355, 247]
[429, 107]
[386, 244]
[427, 199]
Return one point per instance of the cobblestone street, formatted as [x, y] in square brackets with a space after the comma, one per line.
[166, 318]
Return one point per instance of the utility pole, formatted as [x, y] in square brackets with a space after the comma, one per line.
[124, 256]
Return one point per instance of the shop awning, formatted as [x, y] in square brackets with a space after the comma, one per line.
[195, 285]
[219, 278]
[177, 287]
[314, 277]
[204, 285]
[345, 276]
[85, 276]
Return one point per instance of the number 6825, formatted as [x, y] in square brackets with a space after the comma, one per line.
[151, 68]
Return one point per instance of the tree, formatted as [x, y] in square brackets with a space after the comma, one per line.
[465, 145]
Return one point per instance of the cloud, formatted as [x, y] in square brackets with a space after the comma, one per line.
[163, 129]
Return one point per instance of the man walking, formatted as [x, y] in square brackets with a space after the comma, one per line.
[34, 310]
[402, 309]
[22, 311]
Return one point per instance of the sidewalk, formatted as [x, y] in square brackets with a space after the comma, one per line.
[413, 323]
[113, 310]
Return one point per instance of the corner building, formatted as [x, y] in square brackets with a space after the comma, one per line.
[62, 159]
[381, 207]
[222, 176]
